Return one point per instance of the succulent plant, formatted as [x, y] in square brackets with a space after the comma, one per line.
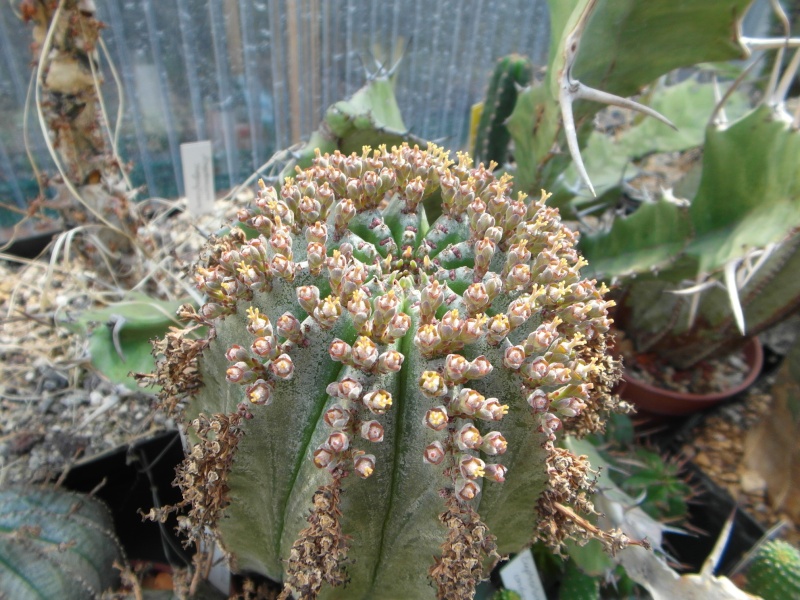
[492, 138]
[55, 544]
[369, 381]
[775, 571]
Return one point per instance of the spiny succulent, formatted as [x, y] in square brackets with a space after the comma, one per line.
[373, 399]
[775, 572]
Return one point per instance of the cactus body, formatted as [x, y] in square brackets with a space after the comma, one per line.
[55, 544]
[492, 140]
[775, 572]
[370, 380]
[577, 585]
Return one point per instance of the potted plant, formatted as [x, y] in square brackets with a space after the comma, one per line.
[694, 278]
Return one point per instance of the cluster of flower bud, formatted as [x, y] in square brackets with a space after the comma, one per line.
[505, 275]
[345, 420]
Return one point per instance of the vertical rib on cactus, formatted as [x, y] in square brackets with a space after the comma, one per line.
[400, 382]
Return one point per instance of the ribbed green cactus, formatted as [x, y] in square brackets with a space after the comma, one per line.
[375, 401]
[55, 544]
[775, 572]
[511, 74]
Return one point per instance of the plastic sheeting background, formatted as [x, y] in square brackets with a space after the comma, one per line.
[255, 76]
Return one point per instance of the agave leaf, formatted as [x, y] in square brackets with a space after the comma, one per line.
[689, 104]
[648, 239]
[628, 44]
[647, 40]
[120, 334]
[370, 117]
[749, 193]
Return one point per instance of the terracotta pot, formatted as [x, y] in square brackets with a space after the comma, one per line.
[659, 401]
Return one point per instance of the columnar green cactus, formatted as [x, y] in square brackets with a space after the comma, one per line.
[374, 393]
[510, 75]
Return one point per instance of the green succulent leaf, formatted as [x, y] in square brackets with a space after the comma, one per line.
[120, 335]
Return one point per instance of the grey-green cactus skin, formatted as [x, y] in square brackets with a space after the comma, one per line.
[470, 339]
[55, 544]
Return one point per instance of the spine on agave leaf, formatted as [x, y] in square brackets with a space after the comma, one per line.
[374, 391]
[493, 138]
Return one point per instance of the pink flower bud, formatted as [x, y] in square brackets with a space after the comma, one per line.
[455, 368]
[365, 353]
[568, 407]
[538, 401]
[414, 192]
[237, 373]
[318, 232]
[432, 384]
[259, 392]
[431, 298]
[258, 324]
[345, 210]
[427, 339]
[308, 297]
[372, 431]
[558, 374]
[514, 357]
[492, 410]
[474, 329]
[436, 418]
[494, 443]
[364, 465]
[536, 370]
[390, 361]
[549, 424]
[386, 308]
[378, 402]
[340, 351]
[309, 209]
[469, 438]
[236, 353]
[519, 311]
[450, 325]
[282, 267]
[476, 298]
[478, 368]
[322, 457]
[315, 254]
[496, 473]
[519, 276]
[399, 326]
[337, 442]
[328, 311]
[263, 346]
[467, 490]
[498, 328]
[282, 367]
[349, 389]
[471, 467]
[336, 416]
[434, 453]
[289, 327]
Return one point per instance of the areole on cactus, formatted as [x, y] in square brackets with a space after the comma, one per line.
[374, 400]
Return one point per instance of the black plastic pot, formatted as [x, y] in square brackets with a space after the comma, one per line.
[131, 480]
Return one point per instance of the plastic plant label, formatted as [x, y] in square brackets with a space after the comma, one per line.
[520, 575]
[198, 177]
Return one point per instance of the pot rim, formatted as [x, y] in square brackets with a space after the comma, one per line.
[650, 397]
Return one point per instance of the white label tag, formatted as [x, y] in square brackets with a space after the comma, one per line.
[198, 177]
[520, 575]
